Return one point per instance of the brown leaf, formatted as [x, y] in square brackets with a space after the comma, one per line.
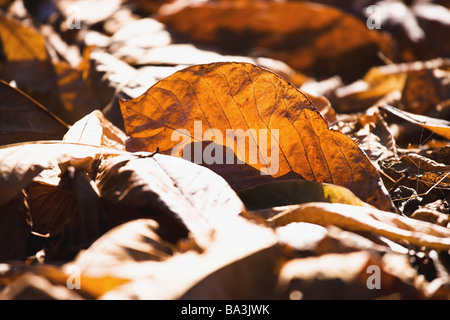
[223, 100]
[34, 287]
[23, 119]
[238, 263]
[345, 276]
[181, 196]
[70, 213]
[317, 40]
[287, 192]
[51, 207]
[134, 241]
[94, 129]
[438, 126]
[15, 227]
[20, 43]
[47, 281]
[415, 86]
[358, 219]
[20, 163]
[434, 212]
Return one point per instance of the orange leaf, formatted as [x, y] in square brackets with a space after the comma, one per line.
[315, 39]
[20, 43]
[243, 107]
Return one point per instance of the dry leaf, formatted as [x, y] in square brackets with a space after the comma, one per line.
[94, 129]
[181, 196]
[15, 227]
[414, 85]
[438, 126]
[20, 163]
[434, 212]
[235, 265]
[364, 219]
[20, 43]
[33, 282]
[343, 276]
[23, 119]
[282, 193]
[222, 100]
[317, 40]
[35, 287]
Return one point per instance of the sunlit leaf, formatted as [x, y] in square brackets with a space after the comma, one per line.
[251, 106]
[387, 224]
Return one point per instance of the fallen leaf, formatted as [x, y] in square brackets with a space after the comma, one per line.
[181, 196]
[70, 214]
[287, 192]
[20, 43]
[48, 281]
[438, 126]
[434, 212]
[364, 219]
[223, 100]
[20, 163]
[235, 265]
[134, 241]
[343, 276]
[94, 129]
[23, 119]
[314, 39]
[374, 137]
[413, 86]
[15, 227]
[35, 287]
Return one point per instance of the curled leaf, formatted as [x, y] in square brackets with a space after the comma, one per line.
[438, 126]
[387, 224]
[20, 163]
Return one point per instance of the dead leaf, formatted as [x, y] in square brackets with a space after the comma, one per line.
[34, 287]
[436, 212]
[15, 229]
[19, 42]
[181, 196]
[23, 119]
[20, 163]
[343, 276]
[438, 126]
[417, 85]
[70, 214]
[235, 265]
[313, 39]
[48, 281]
[94, 129]
[223, 100]
[374, 137]
[134, 241]
[358, 219]
[51, 207]
[282, 193]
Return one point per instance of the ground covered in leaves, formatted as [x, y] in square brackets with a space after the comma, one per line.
[224, 149]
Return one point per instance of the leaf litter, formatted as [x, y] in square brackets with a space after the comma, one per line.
[324, 162]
